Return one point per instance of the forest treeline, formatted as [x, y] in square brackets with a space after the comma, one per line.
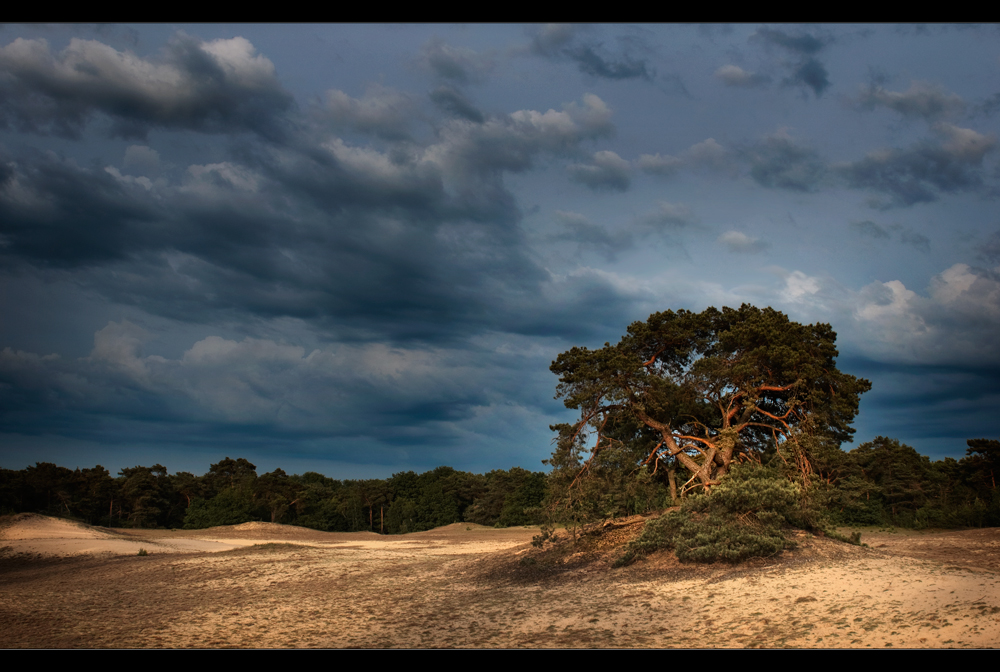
[881, 482]
[232, 492]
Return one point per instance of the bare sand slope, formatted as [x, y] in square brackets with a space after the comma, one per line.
[468, 586]
[34, 534]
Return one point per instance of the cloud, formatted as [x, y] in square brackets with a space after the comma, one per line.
[923, 100]
[954, 324]
[800, 287]
[710, 155]
[917, 240]
[669, 216]
[453, 102]
[655, 164]
[989, 249]
[806, 70]
[870, 229]
[559, 41]
[253, 384]
[607, 171]
[592, 63]
[403, 243]
[733, 75]
[804, 44]
[382, 111]
[777, 162]
[510, 142]
[592, 237]
[738, 242]
[989, 106]
[706, 155]
[552, 38]
[458, 64]
[221, 86]
[54, 212]
[649, 227]
[142, 160]
[950, 162]
[811, 73]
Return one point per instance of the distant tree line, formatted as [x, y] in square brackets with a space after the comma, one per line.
[882, 482]
[232, 493]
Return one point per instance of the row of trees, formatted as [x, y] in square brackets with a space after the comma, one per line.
[232, 493]
[881, 482]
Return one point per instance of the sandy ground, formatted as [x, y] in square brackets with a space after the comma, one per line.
[265, 585]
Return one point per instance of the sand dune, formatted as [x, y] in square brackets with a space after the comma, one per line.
[264, 585]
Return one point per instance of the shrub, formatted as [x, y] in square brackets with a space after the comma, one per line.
[740, 518]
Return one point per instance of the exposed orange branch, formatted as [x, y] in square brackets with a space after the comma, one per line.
[652, 359]
[775, 388]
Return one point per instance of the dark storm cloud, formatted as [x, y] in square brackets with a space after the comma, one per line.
[253, 383]
[255, 387]
[54, 212]
[413, 242]
[778, 162]
[454, 103]
[923, 100]
[938, 406]
[219, 86]
[950, 162]
[807, 70]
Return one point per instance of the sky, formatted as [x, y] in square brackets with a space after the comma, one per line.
[357, 249]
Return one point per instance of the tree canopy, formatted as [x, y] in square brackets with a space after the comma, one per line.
[698, 390]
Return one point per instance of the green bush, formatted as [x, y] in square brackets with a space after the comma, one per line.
[742, 517]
